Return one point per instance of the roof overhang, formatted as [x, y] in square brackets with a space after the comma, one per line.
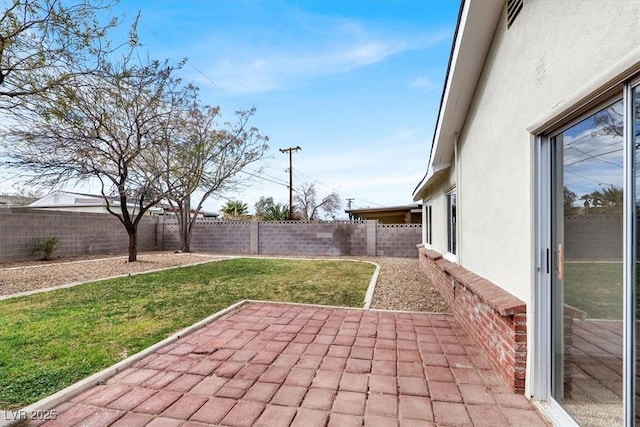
[477, 23]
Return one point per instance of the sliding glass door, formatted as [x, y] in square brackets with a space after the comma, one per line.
[587, 280]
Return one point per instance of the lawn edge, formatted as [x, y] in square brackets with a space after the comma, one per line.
[12, 418]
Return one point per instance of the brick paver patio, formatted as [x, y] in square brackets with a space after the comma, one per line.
[269, 364]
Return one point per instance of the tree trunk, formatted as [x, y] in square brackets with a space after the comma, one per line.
[185, 235]
[133, 244]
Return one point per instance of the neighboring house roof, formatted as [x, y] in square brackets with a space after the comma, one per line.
[83, 202]
[386, 213]
[477, 23]
[7, 201]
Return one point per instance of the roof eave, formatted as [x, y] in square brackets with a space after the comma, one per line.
[477, 23]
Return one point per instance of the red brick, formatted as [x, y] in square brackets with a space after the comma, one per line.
[449, 413]
[510, 400]
[251, 371]
[309, 362]
[184, 407]
[487, 415]
[265, 357]
[410, 369]
[300, 377]
[261, 392]
[275, 416]
[158, 402]
[205, 367]
[383, 367]
[229, 369]
[327, 379]
[105, 395]
[286, 360]
[354, 382]
[384, 354]
[385, 405]
[413, 386]
[348, 402]
[73, 415]
[133, 419]
[137, 376]
[344, 420]
[362, 353]
[243, 414]
[288, 395]
[275, 374]
[209, 386]
[184, 383]
[342, 351]
[359, 366]
[333, 364]
[383, 384]
[319, 398]
[415, 407]
[444, 391]
[528, 418]
[310, 418]
[379, 421]
[132, 399]
[102, 417]
[214, 410]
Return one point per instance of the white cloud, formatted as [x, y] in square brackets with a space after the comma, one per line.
[424, 83]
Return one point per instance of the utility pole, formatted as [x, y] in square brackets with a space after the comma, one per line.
[290, 150]
[349, 201]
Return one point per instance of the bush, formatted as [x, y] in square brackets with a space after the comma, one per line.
[46, 245]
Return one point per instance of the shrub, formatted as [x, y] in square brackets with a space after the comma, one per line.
[46, 245]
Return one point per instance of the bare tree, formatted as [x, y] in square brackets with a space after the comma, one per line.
[306, 198]
[44, 44]
[103, 128]
[201, 157]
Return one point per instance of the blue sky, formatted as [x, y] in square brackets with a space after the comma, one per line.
[355, 83]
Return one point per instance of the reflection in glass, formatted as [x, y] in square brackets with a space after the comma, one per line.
[588, 288]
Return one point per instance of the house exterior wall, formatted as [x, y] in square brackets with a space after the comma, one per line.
[552, 51]
[536, 64]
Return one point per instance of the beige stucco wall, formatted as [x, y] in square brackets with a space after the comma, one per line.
[553, 49]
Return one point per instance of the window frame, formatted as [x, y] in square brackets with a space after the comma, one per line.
[452, 221]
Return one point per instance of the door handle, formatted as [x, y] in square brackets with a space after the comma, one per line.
[560, 261]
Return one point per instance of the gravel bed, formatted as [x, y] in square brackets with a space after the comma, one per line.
[400, 286]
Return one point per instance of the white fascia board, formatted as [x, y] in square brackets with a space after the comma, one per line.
[475, 31]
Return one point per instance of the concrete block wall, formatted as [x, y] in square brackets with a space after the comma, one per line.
[355, 238]
[397, 240]
[80, 233]
[495, 318]
[232, 237]
[593, 237]
[312, 238]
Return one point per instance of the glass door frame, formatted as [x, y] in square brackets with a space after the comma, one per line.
[544, 168]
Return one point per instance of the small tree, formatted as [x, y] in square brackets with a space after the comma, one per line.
[197, 155]
[263, 206]
[105, 127]
[306, 197]
[46, 245]
[277, 212]
[235, 208]
[45, 44]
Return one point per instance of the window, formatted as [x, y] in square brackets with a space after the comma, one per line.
[451, 222]
[428, 223]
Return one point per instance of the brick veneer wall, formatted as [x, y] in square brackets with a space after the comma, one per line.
[496, 318]
[80, 233]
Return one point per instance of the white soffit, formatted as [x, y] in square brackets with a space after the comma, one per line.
[474, 35]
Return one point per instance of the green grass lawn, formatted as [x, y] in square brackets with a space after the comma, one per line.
[595, 288]
[51, 340]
